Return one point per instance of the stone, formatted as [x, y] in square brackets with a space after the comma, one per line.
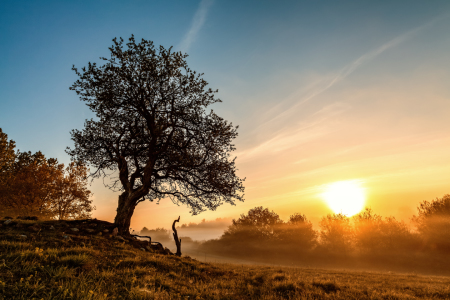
[35, 228]
[75, 229]
[51, 227]
[115, 231]
[100, 233]
[32, 218]
[66, 237]
[93, 225]
[23, 236]
[105, 231]
[148, 248]
[90, 230]
[118, 237]
[143, 249]
[7, 222]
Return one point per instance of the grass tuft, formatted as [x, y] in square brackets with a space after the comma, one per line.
[327, 287]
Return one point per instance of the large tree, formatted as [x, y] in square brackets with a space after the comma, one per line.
[152, 129]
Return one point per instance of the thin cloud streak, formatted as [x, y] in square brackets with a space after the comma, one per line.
[353, 66]
[197, 24]
[306, 131]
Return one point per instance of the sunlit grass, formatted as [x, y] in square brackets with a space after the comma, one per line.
[104, 268]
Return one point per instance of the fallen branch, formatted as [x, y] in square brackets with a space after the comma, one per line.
[175, 237]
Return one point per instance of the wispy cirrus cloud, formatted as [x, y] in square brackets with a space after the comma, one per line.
[352, 67]
[197, 23]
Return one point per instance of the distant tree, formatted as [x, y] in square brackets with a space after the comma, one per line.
[71, 197]
[31, 184]
[397, 236]
[152, 128]
[7, 158]
[158, 234]
[259, 224]
[373, 234]
[336, 233]
[433, 223]
[367, 230]
[7, 153]
[298, 232]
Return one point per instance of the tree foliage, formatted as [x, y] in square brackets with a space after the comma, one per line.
[336, 232]
[375, 234]
[258, 223]
[32, 185]
[433, 223]
[297, 232]
[152, 128]
[71, 197]
[7, 158]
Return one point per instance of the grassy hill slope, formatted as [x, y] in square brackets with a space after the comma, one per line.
[52, 260]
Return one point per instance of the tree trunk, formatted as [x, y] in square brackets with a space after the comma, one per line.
[125, 211]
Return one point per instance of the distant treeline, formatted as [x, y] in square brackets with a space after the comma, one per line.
[33, 185]
[364, 240]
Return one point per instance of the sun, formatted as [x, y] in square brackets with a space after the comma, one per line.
[346, 197]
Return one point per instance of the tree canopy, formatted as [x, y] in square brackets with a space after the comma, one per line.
[153, 130]
[433, 223]
[32, 185]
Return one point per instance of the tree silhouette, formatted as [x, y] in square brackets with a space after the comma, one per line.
[433, 223]
[298, 232]
[258, 225]
[377, 235]
[152, 128]
[336, 232]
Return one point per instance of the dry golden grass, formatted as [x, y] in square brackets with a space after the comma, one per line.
[46, 266]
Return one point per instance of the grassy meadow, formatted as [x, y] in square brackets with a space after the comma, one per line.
[49, 260]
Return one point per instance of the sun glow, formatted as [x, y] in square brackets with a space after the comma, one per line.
[347, 197]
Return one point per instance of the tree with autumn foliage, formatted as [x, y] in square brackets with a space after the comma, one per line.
[71, 197]
[152, 129]
[32, 185]
[7, 158]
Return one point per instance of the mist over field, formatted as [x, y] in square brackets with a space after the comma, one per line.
[366, 241]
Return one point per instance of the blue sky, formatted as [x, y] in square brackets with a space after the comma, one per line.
[323, 91]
